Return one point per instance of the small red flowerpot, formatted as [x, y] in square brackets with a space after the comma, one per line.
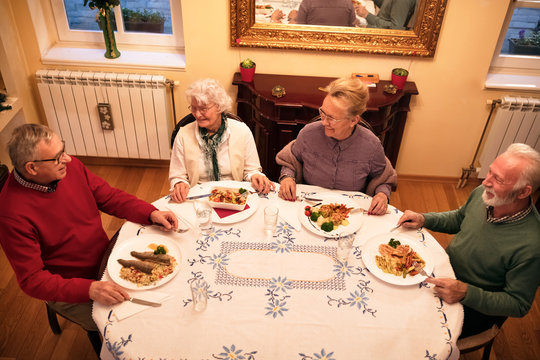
[399, 80]
[247, 74]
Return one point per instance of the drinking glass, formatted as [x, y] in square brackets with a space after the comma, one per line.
[204, 216]
[270, 219]
[199, 294]
[344, 247]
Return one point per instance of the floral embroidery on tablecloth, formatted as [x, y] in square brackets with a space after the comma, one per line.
[318, 356]
[276, 304]
[232, 353]
[116, 347]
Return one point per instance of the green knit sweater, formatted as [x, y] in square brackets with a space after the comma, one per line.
[499, 262]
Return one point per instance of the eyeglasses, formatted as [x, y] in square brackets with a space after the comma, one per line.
[329, 118]
[202, 110]
[58, 157]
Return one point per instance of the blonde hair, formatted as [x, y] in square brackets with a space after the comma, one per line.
[354, 91]
[208, 91]
[23, 142]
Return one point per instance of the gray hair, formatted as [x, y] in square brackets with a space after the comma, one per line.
[531, 172]
[23, 142]
[353, 90]
[209, 91]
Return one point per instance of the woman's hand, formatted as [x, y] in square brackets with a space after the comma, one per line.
[287, 189]
[379, 204]
[261, 184]
[180, 192]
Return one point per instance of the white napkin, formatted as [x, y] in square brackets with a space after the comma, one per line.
[127, 308]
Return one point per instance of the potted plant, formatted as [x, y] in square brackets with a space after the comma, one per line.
[399, 77]
[143, 21]
[526, 45]
[247, 70]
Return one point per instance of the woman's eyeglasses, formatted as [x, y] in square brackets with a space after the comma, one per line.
[329, 118]
[202, 110]
[58, 157]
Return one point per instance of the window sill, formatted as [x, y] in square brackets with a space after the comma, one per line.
[512, 82]
[128, 58]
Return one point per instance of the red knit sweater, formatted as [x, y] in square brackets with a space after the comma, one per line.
[55, 241]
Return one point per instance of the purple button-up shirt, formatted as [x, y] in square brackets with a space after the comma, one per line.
[346, 164]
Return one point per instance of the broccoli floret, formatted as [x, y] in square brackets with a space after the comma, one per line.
[160, 250]
[327, 226]
[315, 215]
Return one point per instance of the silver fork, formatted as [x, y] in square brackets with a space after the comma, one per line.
[420, 269]
[180, 231]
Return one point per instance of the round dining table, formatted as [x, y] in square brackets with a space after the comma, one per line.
[280, 295]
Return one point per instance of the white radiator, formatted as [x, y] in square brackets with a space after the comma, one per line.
[137, 104]
[517, 120]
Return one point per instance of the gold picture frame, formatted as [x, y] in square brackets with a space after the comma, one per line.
[420, 41]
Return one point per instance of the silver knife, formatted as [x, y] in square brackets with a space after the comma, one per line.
[144, 302]
[197, 196]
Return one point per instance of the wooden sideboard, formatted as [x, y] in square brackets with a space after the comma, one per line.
[276, 121]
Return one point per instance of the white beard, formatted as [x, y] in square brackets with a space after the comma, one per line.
[496, 201]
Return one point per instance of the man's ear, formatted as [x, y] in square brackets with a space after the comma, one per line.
[30, 168]
[525, 192]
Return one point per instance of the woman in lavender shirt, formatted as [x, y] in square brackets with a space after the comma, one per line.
[338, 153]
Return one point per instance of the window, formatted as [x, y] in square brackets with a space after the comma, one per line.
[516, 60]
[137, 22]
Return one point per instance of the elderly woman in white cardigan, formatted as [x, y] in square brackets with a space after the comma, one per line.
[214, 147]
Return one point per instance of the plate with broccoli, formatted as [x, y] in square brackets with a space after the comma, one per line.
[331, 217]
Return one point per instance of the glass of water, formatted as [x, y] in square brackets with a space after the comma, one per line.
[204, 216]
[344, 247]
[199, 294]
[270, 219]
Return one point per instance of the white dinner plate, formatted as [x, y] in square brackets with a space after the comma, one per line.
[140, 243]
[252, 200]
[371, 249]
[355, 218]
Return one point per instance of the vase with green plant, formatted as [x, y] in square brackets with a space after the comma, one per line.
[526, 45]
[399, 77]
[247, 70]
[104, 15]
[143, 20]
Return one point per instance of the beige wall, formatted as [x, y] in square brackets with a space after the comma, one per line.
[446, 119]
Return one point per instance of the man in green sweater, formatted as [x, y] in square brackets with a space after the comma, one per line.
[495, 253]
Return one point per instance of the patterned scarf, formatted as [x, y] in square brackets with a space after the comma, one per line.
[210, 145]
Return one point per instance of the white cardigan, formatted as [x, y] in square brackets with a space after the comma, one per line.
[237, 155]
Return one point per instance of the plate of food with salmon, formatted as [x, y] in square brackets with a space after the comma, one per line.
[144, 261]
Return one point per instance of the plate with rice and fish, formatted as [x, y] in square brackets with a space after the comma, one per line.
[144, 262]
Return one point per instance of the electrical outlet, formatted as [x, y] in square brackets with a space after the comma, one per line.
[105, 116]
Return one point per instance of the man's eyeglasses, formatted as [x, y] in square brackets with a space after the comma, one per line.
[329, 118]
[202, 110]
[58, 157]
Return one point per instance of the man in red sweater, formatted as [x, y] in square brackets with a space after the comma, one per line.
[50, 224]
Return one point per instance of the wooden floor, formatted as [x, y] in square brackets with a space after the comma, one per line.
[25, 333]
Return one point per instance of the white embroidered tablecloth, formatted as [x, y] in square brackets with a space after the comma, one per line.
[284, 297]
